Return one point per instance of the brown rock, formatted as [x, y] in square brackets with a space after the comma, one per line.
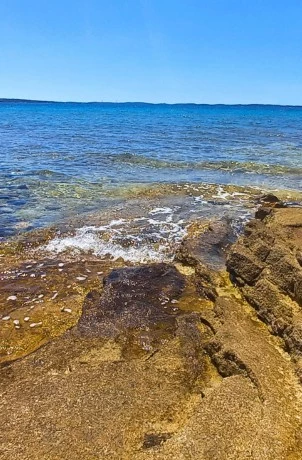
[263, 212]
[206, 244]
[284, 274]
[275, 291]
[206, 281]
[242, 263]
[140, 379]
[298, 289]
[299, 257]
[133, 298]
[265, 297]
[268, 203]
[269, 198]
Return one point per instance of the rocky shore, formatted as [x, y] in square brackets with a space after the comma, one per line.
[195, 359]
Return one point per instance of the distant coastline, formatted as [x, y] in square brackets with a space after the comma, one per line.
[142, 104]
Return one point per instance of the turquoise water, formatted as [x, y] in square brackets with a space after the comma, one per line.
[59, 160]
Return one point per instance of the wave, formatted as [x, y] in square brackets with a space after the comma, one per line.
[230, 166]
[144, 239]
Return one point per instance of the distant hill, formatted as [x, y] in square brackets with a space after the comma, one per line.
[28, 101]
[139, 104]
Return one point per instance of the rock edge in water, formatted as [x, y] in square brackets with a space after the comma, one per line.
[169, 361]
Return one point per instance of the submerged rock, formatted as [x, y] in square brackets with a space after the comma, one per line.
[137, 297]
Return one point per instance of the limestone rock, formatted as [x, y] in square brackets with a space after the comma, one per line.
[132, 298]
[169, 364]
[206, 244]
[265, 264]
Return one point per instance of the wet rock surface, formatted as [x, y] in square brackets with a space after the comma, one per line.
[163, 361]
[134, 297]
[206, 243]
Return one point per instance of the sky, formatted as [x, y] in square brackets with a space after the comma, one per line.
[202, 51]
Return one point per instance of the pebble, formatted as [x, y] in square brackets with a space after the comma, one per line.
[67, 310]
[174, 301]
[12, 297]
[35, 324]
[32, 275]
[60, 264]
[16, 322]
[81, 278]
[26, 318]
[17, 326]
[54, 296]
[40, 296]
[5, 318]
[60, 269]
[43, 276]
[100, 273]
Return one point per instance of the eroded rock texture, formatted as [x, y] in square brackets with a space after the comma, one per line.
[170, 361]
[265, 263]
[132, 298]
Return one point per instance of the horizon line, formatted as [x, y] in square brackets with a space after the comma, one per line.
[41, 101]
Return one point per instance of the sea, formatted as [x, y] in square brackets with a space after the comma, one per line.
[128, 178]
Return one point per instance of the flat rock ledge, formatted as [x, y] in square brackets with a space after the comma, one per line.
[173, 361]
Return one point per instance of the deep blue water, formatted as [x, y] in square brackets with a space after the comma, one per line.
[58, 159]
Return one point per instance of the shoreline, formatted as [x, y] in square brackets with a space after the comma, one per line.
[169, 342]
[203, 199]
[146, 231]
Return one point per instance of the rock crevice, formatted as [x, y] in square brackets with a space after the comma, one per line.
[173, 361]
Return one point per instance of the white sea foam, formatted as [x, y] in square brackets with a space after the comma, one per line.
[199, 200]
[161, 211]
[221, 193]
[152, 242]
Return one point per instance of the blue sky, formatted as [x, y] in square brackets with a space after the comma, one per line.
[203, 51]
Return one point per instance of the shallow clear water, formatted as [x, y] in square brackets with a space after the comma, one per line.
[60, 160]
